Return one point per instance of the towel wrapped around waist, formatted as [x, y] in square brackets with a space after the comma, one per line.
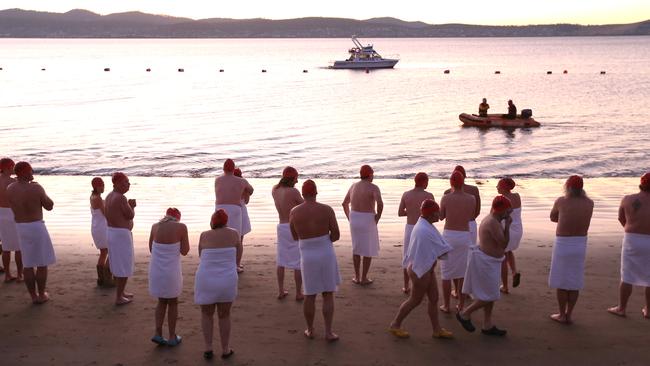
[320, 271]
[483, 276]
[288, 250]
[473, 233]
[98, 229]
[365, 237]
[35, 244]
[425, 247]
[216, 277]
[455, 264]
[8, 230]
[121, 256]
[516, 230]
[568, 263]
[635, 259]
[245, 220]
[165, 273]
[234, 216]
[408, 229]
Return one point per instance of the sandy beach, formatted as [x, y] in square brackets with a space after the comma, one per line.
[81, 326]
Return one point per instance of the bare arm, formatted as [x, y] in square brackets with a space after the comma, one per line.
[240, 247]
[346, 204]
[555, 212]
[478, 204]
[151, 235]
[248, 188]
[185, 241]
[126, 208]
[298, 200]
[335, 234]
[200, 241]
[380, 204]
[294, 233]
[443, 209]
[46, 201]
[621, 213]
[401, 210]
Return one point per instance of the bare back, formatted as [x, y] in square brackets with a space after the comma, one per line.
[409, 205]
[96, 202]
[492, 237]
[285, 199]
[311, 219]
[573, 215]
[229, 189]
[223, 237]
[118, 212]
[5, 181]
[457, 209]
[473, 190]
[363, 195]
[28, 199]
[170, 232]
[514, 198]
[634, 213]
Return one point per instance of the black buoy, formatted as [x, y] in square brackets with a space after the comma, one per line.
[43, 69]
[447, 71]
[602, 72]
[148, 70]
[565, 72]
[304, 71]
[263, 70]
[181, 70]
[549, 72]
[220, 70]
[0, 68]
[107, 69]
[497, 72]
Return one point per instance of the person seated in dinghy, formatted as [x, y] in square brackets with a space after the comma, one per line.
[483, 108]
[512, 111]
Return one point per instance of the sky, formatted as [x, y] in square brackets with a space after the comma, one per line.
[494, 12]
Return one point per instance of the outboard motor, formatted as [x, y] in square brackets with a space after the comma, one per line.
[526, 113]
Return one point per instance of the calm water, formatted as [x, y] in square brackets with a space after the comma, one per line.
[76, 119]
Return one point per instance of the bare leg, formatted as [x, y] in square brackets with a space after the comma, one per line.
[510, 257]
[6, 261]
[562, 299]
[504, 275]
[475, 305]
[41, 281]
[172, 316]
[446, 296]
[366, 267]
[573, 299]
[309, 310]
[459, 290]
[103, 255]
[328, 315]
[297, 277]
[419, 287]
[624, 292]
[240, 252]
[282, 293]
[356, 262]
[223, 311]
[18, 256]
[30, 282]
[487, 315]
[646, 310]
[406, 289]
[120, 298]
[161, 308]
[207, 325]
[432, 308]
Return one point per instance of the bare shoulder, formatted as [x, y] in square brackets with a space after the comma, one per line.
[472, 189]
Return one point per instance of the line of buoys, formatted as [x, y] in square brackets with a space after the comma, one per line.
[107, 69]
[447, 71]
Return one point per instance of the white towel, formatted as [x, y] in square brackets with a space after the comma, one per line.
[483, 276]
[455, 265]
[365, 237]
[8, 231]
[473, 232]
[568, 263]
[407, 238]
[425, 247]
[35, 244]
[234, 216]
[216, 278]
[245, 220]
[121, 256]
[288, 250]
[516, 230]
[635, 259]
[98, 229]
[165, 274]
[320, 271]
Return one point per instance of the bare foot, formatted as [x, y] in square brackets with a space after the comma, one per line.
[128, 295]
[454, 294]
[43, 298]
[9, 278]
[332, 337]
[240, 269]
[356, 281]
[20, 279]
[123, 301]
[504, 289]
[406, 290]
[645, 313]
[366, 282]
[309, 333]
[300, 297]
[444, 309]
[560, 318]
[283, 294]
[616, 310]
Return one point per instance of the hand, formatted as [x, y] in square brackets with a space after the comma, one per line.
[132, 203]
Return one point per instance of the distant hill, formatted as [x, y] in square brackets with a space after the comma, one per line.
[78, 23]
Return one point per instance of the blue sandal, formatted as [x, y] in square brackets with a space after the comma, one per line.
[159, 340]
[175, 342]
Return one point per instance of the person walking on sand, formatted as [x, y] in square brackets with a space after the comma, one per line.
[215, 283]
[245, 219]
[314, 225]
[409, 206]
[28, 199]
[167, 242]
[119, 213]
[8, 230]
[572, 212]
[99, 232]
[457, 209]
[505, 187]
[425, 247]
[229, 190]
[286, 197]
[359, 207]
[634, 215]
[484, 267]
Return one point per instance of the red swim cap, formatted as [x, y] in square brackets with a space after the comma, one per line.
[501, 203]
[461, 170]
[229, 166]
[506, 183]
[428, 207]
[365, 172]
[7, 164]
[309, 188]
[645, 180]
[457, 179]
[97, 182]
[421, 180]
[219, 218]
[574, 182]
[237, 172]
[289, 172]
[23, 169]
[173, 212]
[118, 178]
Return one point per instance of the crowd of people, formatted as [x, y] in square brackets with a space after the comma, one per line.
[475, 259]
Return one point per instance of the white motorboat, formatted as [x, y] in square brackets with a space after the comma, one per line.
[364, 57]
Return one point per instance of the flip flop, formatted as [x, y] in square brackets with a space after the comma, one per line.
[356, 281]
[175, 342]
[466, 323]
[399, 333]
[208, 355]
[227, 355]
[494, 331]
[159, 340]
[443, 334]
[516, 279]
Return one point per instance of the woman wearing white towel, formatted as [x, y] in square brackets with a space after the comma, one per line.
[215, 284]
[98, 230]
[245, 221]
[167, 242]
[504, 187]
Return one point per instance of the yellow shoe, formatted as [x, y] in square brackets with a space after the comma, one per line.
[443, 334]
[399, 333]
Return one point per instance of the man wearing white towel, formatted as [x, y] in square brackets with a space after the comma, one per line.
[228, 191]
[473, 190]
[634, 215]
[409, 206]
[359, 206]
[314, 225]
[457, 209]
[28, 199]
[119, 216]
[8, 231]
[425, 247]
[572, 212]
[286, 197]
[484, 267]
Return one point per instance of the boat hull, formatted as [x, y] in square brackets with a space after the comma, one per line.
[496, 120]
[382, 64]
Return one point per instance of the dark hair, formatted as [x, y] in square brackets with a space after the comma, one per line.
[287, 182]
[214, 227]
[644, 188]
[573, 192]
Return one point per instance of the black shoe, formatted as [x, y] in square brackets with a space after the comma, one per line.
[494, 331]
[208, 355]
[467, 324]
